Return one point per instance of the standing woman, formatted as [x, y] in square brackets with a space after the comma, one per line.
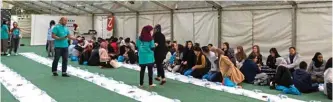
[146, 45]
[159, 53]
[50, 40]
[15, 42]
[4, 37]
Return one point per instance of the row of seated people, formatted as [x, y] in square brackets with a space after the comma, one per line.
[288, 74]
[103, 53]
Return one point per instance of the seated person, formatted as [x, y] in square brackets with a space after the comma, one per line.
[317, 68]
[201, 67]
[250, 69]
[85, 55]
[175, 59]
[214, 73]
[271, 59]
[130, 56]
[293, 59]
[104, 57]
[122, 51]
[302, 79]
[328, 79]
[283, 79]
[229, 70]
[94, 56]
[240, 56]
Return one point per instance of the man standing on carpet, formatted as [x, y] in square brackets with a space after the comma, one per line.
[61, 34]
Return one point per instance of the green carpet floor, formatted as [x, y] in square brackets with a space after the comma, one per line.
[63, 90]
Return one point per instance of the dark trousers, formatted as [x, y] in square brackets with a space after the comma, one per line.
[4, 45]
[150, 73]
[160, 69]
[198, 73]
[283, 76]
[63, 52]
[14, 45]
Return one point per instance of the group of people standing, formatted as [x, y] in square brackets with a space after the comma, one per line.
[10, 38]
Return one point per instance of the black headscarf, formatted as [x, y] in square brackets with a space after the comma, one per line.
[317, 63]
[157, 29]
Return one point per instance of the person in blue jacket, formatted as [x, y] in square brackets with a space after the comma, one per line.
[250, 69]
[302, 79]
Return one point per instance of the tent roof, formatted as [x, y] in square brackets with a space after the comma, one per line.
[104, 7]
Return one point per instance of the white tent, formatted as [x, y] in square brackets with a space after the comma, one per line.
[280, 24]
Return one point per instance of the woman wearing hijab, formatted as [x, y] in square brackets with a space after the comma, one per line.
[159, 53]
[317, 68]
[146, 45]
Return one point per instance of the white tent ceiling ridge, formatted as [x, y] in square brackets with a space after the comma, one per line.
[69, 5]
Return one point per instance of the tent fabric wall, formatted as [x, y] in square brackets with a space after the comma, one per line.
[272, 28]
[237, 29]
[100, 23]
[126, 26]
[197, 27]
[205, 28]
[164, 21]
[314, 32]
[40, 25]
[183, 27]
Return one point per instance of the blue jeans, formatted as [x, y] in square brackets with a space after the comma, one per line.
[209, 76]
[60, 52]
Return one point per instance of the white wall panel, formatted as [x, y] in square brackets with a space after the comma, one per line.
[205, 25]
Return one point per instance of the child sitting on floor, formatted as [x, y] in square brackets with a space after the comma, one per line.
[302, 79]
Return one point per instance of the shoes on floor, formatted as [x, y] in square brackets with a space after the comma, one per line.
[163, 82]
[55, 74]
[7, 54]
[152, 85]
[158, 79]
[15, 54]
[65, 75]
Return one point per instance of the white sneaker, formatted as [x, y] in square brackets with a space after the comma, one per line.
[15, 54]
[153, 85]
[8, 54]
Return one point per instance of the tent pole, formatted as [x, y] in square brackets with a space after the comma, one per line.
[137, 25]
[294, 25]
[219, 26]
[171, 25]
[93, 21]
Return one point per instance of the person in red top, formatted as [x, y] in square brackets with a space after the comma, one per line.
[114, 45]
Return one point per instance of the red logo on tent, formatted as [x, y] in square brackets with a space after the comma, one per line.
[110, 23]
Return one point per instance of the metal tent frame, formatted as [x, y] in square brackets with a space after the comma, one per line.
[163, 7]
